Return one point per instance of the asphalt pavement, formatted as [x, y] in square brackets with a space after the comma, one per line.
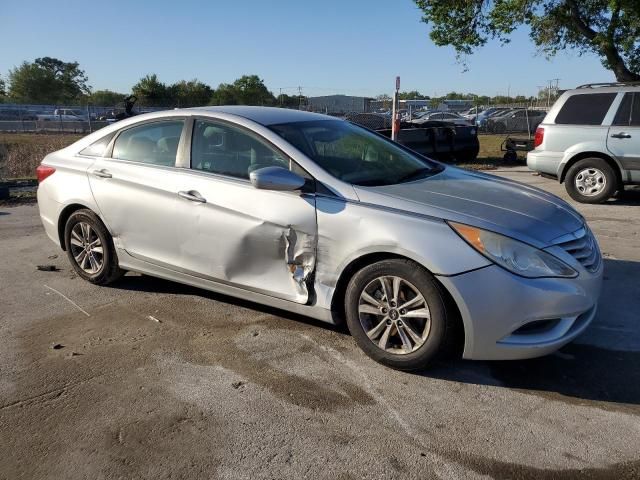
[151, 379]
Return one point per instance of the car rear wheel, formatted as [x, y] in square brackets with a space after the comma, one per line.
[591, 180]
[397, 314]
[90, 248]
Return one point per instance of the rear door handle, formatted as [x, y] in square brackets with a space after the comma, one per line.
[193, 196]
[103, 173]
[621, 135]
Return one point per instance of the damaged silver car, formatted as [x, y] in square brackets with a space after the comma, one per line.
[321, 217]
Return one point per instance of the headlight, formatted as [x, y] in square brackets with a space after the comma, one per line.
[512, 255]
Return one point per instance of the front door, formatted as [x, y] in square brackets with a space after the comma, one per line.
[135, 189]
[623, 139]
[233, 233]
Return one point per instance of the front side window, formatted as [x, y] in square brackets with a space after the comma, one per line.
[226, 150]
[354, 154]
[154, 143]
[585, 109]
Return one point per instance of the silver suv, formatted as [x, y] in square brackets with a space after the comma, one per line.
[590, 140]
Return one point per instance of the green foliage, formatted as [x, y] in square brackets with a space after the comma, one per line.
[47, 80]
[190, 93]
[106, 98]
[412, 95]
[608, 28]
[247, 90]
[151, 91]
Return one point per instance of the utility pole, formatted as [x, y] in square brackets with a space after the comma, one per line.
[299, 98]
[395, 116]
[280, 97]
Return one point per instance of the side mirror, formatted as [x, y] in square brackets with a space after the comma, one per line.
[276, 178]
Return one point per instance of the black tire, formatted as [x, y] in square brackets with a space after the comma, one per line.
[598, 164]
[510, 156]
[442, 335]
[109, 270]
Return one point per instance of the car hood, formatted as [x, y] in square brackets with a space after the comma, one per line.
[485, 201]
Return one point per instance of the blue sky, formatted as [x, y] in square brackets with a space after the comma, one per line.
[350, 46]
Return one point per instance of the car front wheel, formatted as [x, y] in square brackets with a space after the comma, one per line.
[90, 248]
[397, 314]
[591, 180]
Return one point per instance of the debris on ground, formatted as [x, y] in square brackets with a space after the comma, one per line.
[57, 346]
[153, 318]
[237, 385]
[47, 268]
[51, 257]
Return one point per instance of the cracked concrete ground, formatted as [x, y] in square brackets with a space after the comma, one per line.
[151, 379]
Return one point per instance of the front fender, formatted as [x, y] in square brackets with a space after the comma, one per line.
[349, 230]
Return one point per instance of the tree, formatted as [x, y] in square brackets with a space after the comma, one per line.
[106, 98]
[608, 28]
[190, 93]
[246, 90]
[151, 91]
[2, 90]
[47, 80]
[412, 95]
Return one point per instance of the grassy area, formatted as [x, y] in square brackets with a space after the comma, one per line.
[490, 156]
[20, 153]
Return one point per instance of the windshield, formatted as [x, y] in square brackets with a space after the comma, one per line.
[354, 154]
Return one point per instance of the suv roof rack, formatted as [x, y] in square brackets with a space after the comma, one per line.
[609, 84]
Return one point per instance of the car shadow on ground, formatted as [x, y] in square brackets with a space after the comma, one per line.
[579, 371]
[145, 283]
[630, 196]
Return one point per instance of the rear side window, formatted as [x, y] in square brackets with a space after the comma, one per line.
[585, 109]
[97, 148]
[628, 113]
[155, 143]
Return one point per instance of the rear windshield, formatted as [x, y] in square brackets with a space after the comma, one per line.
[585, 109]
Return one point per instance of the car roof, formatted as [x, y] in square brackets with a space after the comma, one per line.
[266, 115]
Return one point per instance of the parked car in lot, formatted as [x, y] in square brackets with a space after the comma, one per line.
[590, 140]
[322, 217]
[63, 115]
[519, 120]
[482, 118]
[449, 117]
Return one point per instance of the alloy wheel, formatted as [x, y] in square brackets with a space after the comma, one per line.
[394, 315]
[86, 248]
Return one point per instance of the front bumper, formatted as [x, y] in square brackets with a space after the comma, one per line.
[496, 305]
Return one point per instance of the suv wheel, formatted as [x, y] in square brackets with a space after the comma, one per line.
[591, 180]
[90, 248]
[397, 314]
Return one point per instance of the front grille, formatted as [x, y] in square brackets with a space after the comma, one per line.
[583, 247]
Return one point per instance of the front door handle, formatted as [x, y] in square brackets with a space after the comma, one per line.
[192, 196]
[621, 135]
[103, 173]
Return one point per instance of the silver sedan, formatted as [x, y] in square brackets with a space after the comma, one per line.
[321, 217]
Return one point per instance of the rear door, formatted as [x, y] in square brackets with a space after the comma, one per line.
[623, 139]
[229, 231]
[134, 187]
